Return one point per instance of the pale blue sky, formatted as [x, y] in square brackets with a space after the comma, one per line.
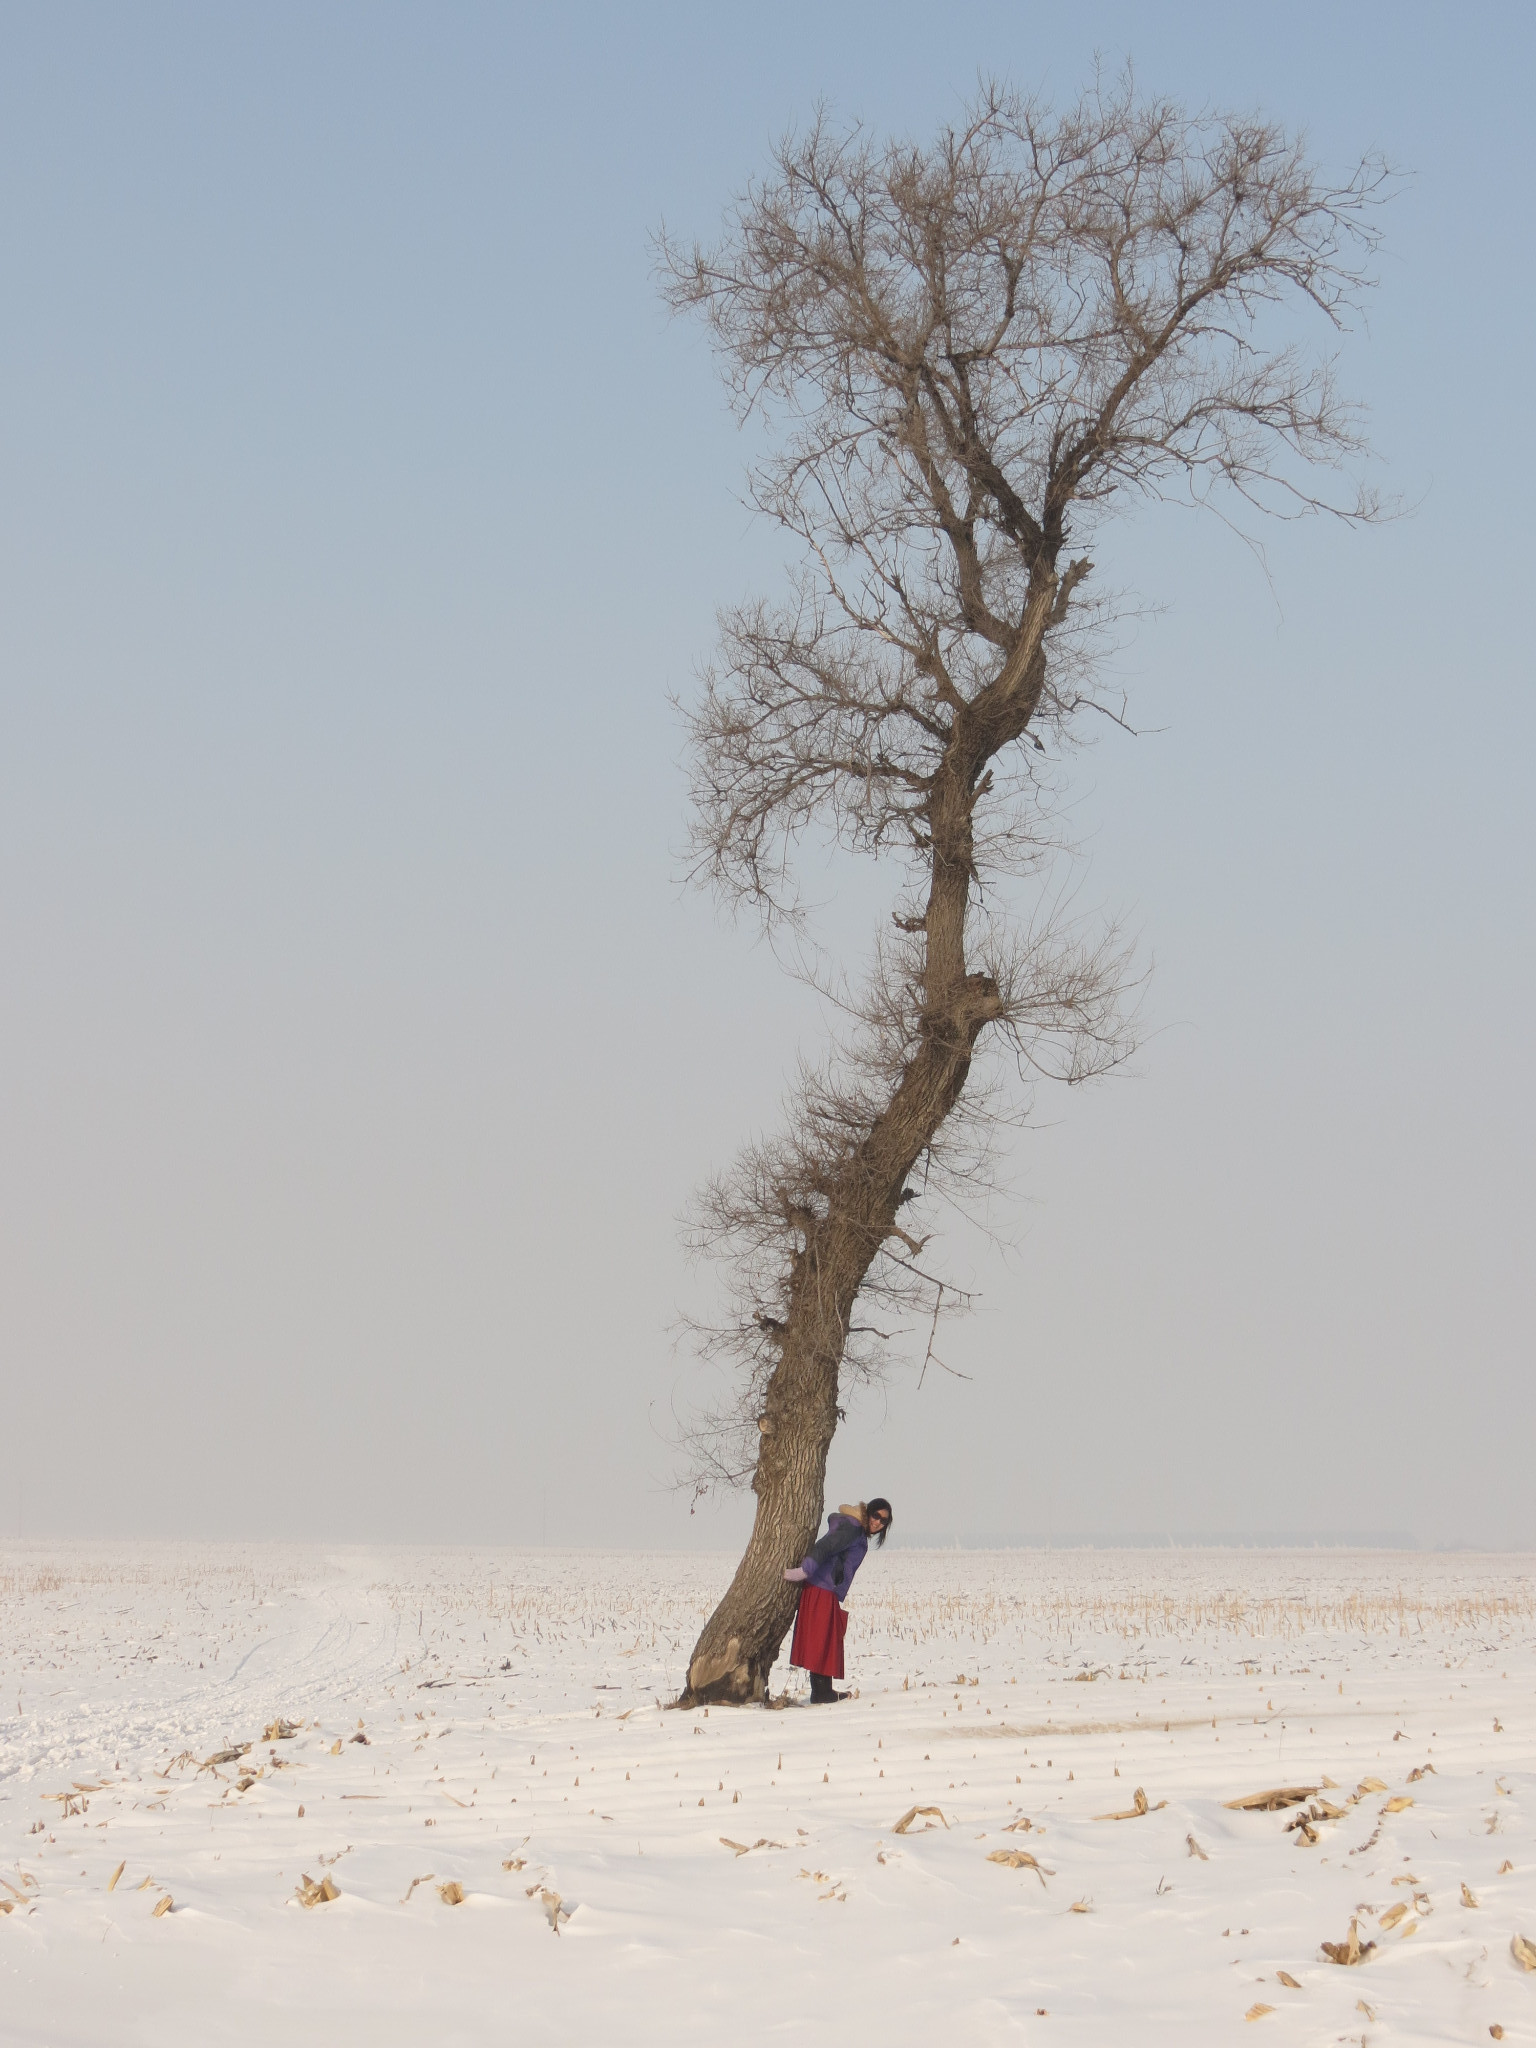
[358, 510]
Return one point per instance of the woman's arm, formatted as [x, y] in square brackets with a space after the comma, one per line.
[842, 1535]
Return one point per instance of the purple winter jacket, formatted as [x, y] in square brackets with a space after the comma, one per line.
[832, 1562]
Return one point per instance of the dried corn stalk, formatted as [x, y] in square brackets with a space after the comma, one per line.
[1020, 1859]
[916, 1813]
[555, 1909]
[1277, 1797]
[1351, 1949]
[1134, 1812]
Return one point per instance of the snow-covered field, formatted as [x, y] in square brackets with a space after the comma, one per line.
[632, 1874]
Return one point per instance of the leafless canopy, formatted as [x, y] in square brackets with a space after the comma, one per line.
[966, 355]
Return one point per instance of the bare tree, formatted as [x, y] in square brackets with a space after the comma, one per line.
[969, 355]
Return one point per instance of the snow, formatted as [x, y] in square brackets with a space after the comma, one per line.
[519, 1744]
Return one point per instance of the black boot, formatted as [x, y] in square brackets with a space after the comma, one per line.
[822, 1693]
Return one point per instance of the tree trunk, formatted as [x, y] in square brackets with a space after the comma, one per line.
[741, 1640]
[734, 1655]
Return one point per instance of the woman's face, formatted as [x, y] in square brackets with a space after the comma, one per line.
[879, 1520]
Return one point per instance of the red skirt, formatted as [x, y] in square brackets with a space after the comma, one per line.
[820, 1625]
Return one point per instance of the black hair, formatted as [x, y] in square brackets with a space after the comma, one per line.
[880, 1505]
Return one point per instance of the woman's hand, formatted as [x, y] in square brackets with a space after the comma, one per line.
[795, 1574]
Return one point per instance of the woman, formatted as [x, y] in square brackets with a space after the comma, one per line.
[824, 1576]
